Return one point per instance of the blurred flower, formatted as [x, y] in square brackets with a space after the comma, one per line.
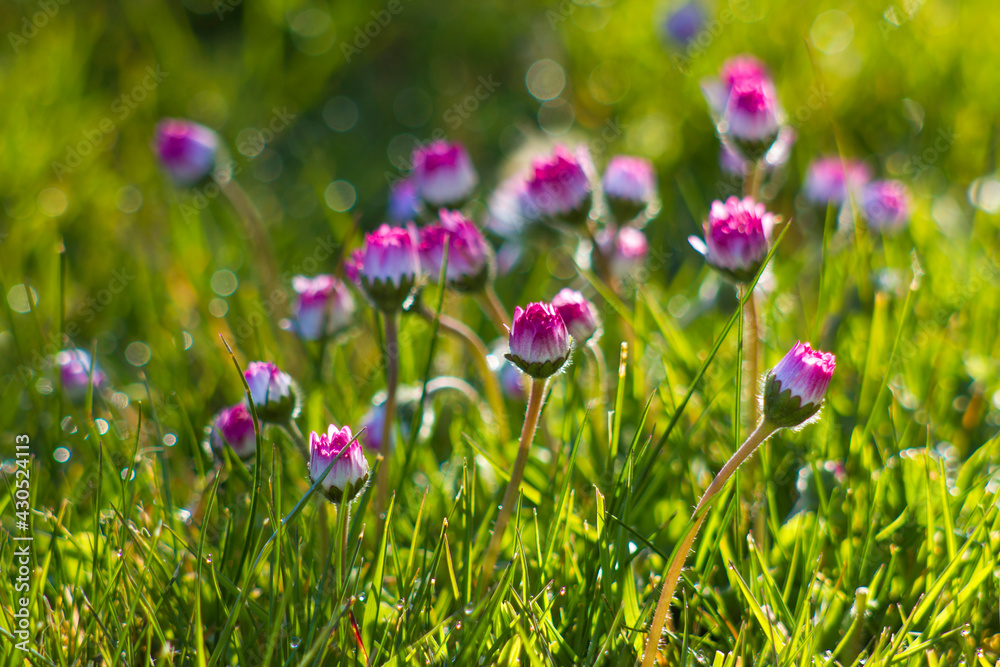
[323, 307]
[234, 426]
[185, 149]
[829, 179]
[558, 187]
[470, 257]
[795, 387]
[736, 235]
[579, 314]
[538, 339]
[273, 392]
[629, 186]
[886, 205]
[624, 250]
[348, 469]
[443, 173]
[74, 373]
[685, 22]
[404, 201]
[752, 116]
[743, 68]
[507, 216]
[387, 267]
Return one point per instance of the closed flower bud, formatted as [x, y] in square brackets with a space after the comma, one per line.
[74, 373]
[736, 236]
[794, 389]
[470, 257]
[234, 426]
[538, 339]
[625, 251]
[629, 186]
[274, 393]
[579, 314]
[387, 267]
[886, 205]
[348, 469]
[404, 201]
[186, 150]
[323, 306]
[751, 118]
[443, 174]
[558, 188]
[831, 179]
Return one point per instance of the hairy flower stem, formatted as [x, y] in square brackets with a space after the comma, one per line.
[296, 435]
[536, 395]
[254, 224]
[391, 381]
[752, 351]
[662, 614]
[344, 516]
[491, 385]
[600, 412]
[491, 305]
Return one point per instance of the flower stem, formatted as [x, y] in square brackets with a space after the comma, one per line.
[296, 435]
[254, 224]
[662, 614]
[752, 351]
[600, 413]
[536, 396]
[391, 381]
[491, 385]
[491, 305]
[344, 516]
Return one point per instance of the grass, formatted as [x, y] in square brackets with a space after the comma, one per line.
[870, 537]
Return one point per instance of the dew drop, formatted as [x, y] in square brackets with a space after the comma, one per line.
[562, 591]
[295, 642]
[458, 625]
[469, 608]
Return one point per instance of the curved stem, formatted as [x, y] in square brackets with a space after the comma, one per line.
[254, 224]
[391, 381]
[491, 305]
[752, 352]
[491, 385]
[662, 614]
[601, 373]
[345, 510]
[296, 435]
[536, 396]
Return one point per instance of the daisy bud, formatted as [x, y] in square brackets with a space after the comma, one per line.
[558, 188]
[886, 205]
[404, 201]
[579, 314]
[629, 186]
[752, 117]
[387, 267]
[738, 69]
[234, 426]
[538, 339]
[625, 250]
[273, 392]
[742, 68]
[348, 469]
[74, 373]
[470, 257]
[736, 236]
[794, 389]
[186, 150]
[443, 174]
[323, 306]
[830, 179]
